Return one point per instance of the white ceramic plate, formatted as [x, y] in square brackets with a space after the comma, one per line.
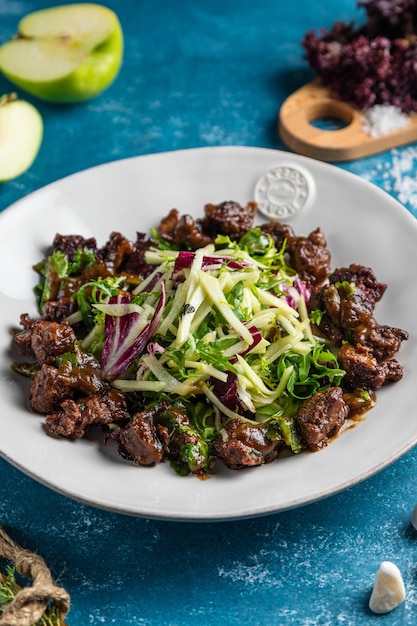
[362, 224]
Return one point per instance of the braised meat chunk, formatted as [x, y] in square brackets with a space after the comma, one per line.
[228, 218]
[139, 442]
[183, 444]
[310, 257]
[381, 340]
[347, 301]
[115, 252]
[279, 232]
[364, 371]
[49, 388]
[366, 348]
[59, 310]
[394, 371]
[46, 340]
[321, 417]
[76, 374]
[23, 338]
[245, 444]
[73, 417]
[164, 433]
[71, 244]
[183, 231]
[135, 264]
[364, 280]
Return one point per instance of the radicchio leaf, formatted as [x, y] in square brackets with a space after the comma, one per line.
[257, 337]
[185, 259]
[293, 292]
[227, 393]
[123, 339]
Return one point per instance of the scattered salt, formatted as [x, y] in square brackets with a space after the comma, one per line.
[383, 119]
[404, 183]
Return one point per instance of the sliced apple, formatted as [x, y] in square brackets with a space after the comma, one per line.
[65, 54]
[21, 131]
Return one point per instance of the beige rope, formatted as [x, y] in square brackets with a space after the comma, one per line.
[30, 603]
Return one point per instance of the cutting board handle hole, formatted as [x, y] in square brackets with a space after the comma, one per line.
[329, 123]
[329, 115]
[313, 122]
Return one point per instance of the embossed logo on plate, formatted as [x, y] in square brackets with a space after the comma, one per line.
[284, 191]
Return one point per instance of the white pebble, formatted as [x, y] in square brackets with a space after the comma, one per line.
[389, 590]
[414, 518]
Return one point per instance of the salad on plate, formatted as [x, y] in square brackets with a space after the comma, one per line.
[206, 341]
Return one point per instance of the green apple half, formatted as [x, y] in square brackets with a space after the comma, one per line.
[65, 54]
[21, 132]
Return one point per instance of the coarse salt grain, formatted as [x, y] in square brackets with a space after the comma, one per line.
[383, 119]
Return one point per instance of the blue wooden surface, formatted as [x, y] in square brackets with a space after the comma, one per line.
[202, 73]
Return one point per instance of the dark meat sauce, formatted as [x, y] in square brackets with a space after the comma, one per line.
[68, 386]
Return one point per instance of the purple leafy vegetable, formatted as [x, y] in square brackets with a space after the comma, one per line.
[293, 292]
[185, 259]
[125, 337]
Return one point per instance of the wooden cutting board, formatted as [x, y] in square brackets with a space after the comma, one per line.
[312, 102]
